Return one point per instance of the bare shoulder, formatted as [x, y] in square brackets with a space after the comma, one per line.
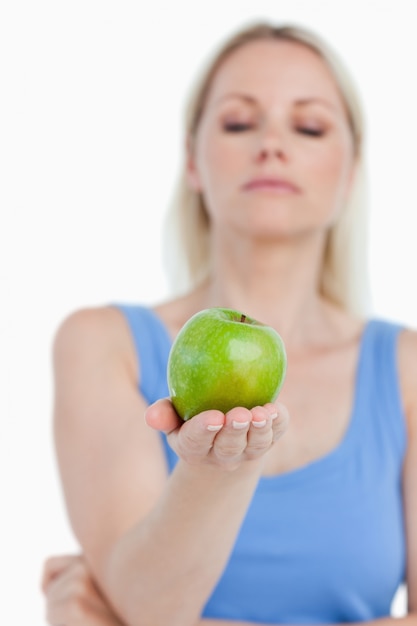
[407, 362]
[102, 333]
[95, 333]
[100, 325]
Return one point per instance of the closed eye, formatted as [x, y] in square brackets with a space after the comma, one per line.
[312, 132]
[236, 127]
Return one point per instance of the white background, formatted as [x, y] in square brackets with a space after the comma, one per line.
[91, 97]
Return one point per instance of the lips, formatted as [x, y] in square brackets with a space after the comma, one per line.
[274, 184]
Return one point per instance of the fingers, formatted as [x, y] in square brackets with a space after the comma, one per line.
[66, 595]
[280, 424]
[191, 440]
[247, 435]
[231, 441]
[269, 423]
[261, 433]
[214, 437]
[72, 597]
[54, 566]
[194, 440]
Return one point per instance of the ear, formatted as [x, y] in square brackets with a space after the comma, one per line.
[192, 175]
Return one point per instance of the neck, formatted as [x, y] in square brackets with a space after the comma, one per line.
[274, 282]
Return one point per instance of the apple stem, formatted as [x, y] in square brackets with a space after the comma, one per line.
[243, 318]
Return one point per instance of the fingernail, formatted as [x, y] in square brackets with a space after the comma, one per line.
[274, 416]
[259, 424]
[214, 427]
[240, 425]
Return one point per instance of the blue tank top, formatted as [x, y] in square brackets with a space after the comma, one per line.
[323, 543]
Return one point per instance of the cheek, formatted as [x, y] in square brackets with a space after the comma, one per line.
[219, 162]
[329, 170]
[220, 153]
[215, 162]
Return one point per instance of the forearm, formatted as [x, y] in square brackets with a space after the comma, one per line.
[179, 551]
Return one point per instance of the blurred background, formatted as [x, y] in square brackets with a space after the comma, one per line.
[91, 102]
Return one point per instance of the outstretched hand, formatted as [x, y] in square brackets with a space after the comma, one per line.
[225, 440]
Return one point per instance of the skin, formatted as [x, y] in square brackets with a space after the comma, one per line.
[266, 249]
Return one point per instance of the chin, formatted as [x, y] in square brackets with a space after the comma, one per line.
[273, 223]
[281, 230]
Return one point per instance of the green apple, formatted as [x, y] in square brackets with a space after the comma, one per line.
[222, 358]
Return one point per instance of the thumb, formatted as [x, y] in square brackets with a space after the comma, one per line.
[162, 416]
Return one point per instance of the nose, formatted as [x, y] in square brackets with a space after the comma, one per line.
[271, 146]
[265, 153]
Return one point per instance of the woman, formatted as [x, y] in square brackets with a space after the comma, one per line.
[262, 519]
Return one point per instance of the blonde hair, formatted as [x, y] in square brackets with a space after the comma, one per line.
[344, 278]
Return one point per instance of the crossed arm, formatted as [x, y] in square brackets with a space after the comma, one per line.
[73, 599]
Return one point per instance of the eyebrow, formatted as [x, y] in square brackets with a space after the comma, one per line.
[242, 96]
[299, 102]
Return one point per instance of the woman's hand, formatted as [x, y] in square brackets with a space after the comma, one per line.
[72, 598]
[226, 440]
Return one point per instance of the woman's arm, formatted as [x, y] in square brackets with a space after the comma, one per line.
[73, 599]
[146, 536]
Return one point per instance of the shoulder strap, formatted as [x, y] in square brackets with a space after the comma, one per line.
[152, 343]
[380, 377]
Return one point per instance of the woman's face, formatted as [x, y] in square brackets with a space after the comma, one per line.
[274, 118]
